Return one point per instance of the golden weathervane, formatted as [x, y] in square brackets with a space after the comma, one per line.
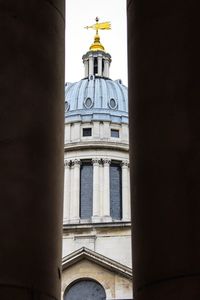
[98, 26]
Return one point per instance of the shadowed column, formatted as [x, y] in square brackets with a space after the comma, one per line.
[165, 148]
[31, 148]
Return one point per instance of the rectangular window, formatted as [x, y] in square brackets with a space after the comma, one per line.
[86, 190]
[87, 131]
[115, 133]
[115, 191]
[95, 66]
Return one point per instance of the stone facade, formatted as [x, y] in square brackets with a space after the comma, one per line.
[115, 286]
[96, 220]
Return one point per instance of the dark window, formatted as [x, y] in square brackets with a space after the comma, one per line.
[86, 190]
[112, 103]
[102, 66]
[115, 191]
[66, 106]
[88, 103]
[85, 290]
[87, 131]
[95, 66]
[114, 133]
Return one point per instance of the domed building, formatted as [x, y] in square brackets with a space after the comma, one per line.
[96, 223]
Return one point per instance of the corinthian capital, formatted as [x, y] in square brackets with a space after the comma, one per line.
[125, 163]
[106, 161]
[76, 162]
[67, 163]
[96, 160]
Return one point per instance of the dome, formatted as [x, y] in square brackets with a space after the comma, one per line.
[96, 98]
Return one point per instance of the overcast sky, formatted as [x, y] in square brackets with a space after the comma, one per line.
[80, 13]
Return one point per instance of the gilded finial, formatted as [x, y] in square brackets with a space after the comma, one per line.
[98, 26]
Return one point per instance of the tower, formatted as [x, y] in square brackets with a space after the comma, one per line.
[96, 223]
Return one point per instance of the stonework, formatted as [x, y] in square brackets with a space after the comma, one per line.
[114, 278]
[96, 220]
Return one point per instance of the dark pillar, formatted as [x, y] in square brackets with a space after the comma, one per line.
[31, 148]
[165, 148]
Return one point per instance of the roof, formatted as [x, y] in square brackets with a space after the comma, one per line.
[96, 98]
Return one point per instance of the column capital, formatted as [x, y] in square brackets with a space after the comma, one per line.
[96, 161]
[106, 161]
[76, 162]
[67, 163]
[125, 163]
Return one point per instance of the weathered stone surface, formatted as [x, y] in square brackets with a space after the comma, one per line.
[31, 147]
[164, 147]
[115, 286]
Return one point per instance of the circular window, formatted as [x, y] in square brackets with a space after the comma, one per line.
[113, 103]
[66, 106]
[88, 103]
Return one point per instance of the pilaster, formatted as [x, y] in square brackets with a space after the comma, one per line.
[67, 192]
[96, 190]
[106, 190]
[125, 191]
[75, 194]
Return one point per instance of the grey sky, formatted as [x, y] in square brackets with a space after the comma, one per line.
[80, 13]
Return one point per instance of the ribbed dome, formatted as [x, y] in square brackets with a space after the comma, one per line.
[96, 98]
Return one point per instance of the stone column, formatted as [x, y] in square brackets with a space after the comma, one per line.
[86, 67]
[125, 191]
[163, 48]
[31, 148]
[75, 193]
[67, 192]
[96, 190]
[91, 65]
[106, 68]
[106, 189]
[100, 65]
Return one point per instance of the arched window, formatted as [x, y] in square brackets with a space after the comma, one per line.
[85, 290]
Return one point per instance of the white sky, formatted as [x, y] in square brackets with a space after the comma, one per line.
[81, 13]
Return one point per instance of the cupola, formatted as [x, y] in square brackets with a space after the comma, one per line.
[96, 60]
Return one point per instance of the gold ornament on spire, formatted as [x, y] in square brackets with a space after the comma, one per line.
[98, 26]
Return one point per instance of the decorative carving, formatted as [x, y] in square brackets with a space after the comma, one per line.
[76, 162]
[125, 163]
[106, 161]
[67, 163]
[96, 160]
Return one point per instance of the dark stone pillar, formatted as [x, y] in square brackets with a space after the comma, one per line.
[164, 103]
[31, 148]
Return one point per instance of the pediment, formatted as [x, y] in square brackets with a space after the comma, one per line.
[96, 258]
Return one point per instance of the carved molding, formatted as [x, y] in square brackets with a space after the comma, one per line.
[106, 161]
[67, 163]
[125, 163]
[96, 161]
[76, 162]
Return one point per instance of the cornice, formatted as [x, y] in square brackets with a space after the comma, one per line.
[97, 225]
[79, 145]
[99, 259]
